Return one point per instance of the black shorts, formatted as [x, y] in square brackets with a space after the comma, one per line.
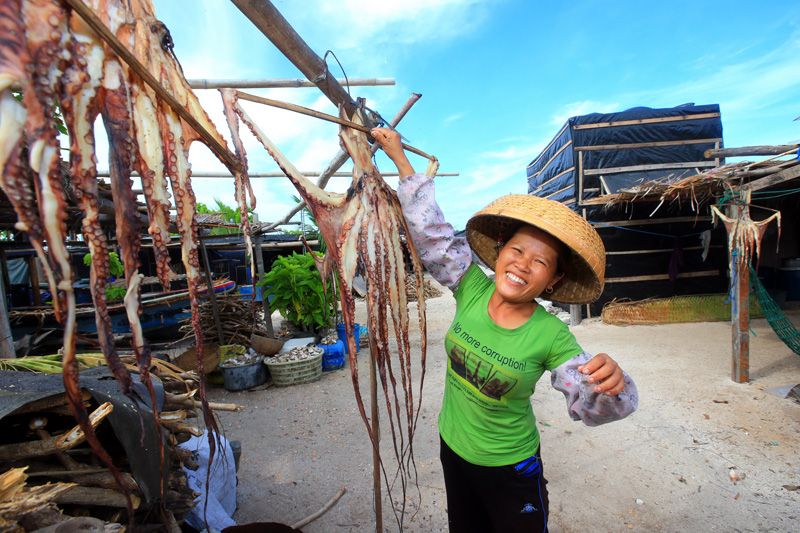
[507, 499]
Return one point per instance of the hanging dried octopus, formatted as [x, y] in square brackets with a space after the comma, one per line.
[362, 231]
[51, 52]
[745, 234]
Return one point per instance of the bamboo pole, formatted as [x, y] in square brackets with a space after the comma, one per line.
[126, 55]
[227, 175]
[282, 83]
[317, 114]
[268, 19]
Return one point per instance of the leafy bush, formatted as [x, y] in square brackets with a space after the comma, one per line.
[116, 270]
[296, 289]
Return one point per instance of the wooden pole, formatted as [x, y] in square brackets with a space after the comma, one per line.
[211, 294]
[34, 273]
[740, 313]
[268, 19]
[322, 116]
[259, 255]
[376, 435]
[6, 340]
[713, 153]
[283, 83]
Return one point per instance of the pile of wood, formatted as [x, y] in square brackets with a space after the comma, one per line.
[234, 317]
[411, 289]
[51, 474]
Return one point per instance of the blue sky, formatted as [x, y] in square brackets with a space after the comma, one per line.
[498, 78]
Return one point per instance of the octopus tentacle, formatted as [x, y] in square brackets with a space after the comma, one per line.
[362, 231]
[242, 180]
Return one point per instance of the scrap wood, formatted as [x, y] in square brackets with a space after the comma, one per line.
[322, 511]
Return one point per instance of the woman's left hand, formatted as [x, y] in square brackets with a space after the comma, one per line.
[604, 371]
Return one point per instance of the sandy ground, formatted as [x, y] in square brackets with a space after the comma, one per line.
[665, 468]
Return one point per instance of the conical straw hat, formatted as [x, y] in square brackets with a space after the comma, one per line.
[584, 278]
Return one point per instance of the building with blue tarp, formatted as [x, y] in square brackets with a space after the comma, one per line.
[674, 251]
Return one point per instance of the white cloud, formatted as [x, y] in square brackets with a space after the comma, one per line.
[582, 108]
[454, 118]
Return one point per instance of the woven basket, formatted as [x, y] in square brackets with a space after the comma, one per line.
[584, 278]
[295, 372]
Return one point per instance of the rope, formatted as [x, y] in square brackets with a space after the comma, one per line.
[777, 320]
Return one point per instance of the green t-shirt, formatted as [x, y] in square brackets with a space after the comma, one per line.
[486, 415]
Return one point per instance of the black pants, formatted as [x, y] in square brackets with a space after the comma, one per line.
[485, 499]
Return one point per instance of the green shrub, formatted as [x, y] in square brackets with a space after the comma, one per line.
[296, 290]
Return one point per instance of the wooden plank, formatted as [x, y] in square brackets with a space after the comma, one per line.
[569, 143]
[656, 277]
[552, 141]
[549, 196]
[648, 221]
[541, 186]
[679, 118]
[683, 142]
[781, 177]
[581, 173]
[6, 339]
[658, 251]
[787, 149]
[659, 166]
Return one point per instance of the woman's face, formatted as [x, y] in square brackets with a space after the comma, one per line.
[527, 265]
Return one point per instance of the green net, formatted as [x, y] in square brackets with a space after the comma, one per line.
[780, 324]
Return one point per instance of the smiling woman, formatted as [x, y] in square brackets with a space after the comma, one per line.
[501, 342]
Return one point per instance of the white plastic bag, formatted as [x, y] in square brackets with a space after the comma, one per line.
[222, 484]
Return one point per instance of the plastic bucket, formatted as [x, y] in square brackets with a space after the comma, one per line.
[332, 356]
[242, 377]
[340, 331]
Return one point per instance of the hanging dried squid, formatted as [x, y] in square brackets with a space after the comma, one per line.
[362, 229]
[52, 53]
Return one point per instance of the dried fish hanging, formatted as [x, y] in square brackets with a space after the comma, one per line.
[362, 229]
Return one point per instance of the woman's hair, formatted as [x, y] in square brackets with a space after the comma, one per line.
[563, 250]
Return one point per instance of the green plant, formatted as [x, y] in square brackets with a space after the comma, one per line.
[116, 270]
[115, 267]
[229, 214]
[296, 289]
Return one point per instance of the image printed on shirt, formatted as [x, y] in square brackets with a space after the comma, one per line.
[487, 378]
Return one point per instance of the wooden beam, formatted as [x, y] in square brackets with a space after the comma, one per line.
[268, 19]
[781, 177]
[787, 149]
[6, 339]
[684, 142]
[657, 277]
[644, 222]
[126, 55]
[282, 83]
[678, 118]
[659, 166]
[662, 250]
[740, 312]
[34, 274]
